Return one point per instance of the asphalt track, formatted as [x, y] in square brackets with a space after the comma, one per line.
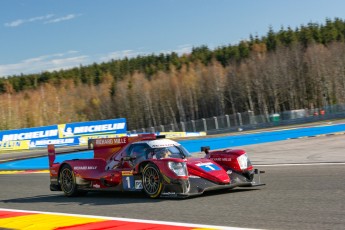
[305, 190]
[36, 159]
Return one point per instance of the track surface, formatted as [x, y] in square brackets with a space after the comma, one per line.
[295, 197]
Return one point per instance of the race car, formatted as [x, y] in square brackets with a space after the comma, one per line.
[157, 166]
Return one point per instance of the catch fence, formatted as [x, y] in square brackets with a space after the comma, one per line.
[248, 121]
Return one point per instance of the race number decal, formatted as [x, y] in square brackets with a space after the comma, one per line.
[208, 166]
[128, 182]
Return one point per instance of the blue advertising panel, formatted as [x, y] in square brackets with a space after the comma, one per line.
[62, 134]
[92, 128]
[29, 133]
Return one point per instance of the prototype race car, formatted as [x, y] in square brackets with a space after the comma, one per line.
[157, 166]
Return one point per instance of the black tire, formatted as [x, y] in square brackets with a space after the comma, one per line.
[152, 181]
[67, 181]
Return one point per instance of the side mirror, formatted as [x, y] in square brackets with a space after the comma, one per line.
[205, 149]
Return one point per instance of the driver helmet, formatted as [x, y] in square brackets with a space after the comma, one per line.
[164, 153]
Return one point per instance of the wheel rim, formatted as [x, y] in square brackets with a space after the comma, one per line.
[67, 181]
[151, 180]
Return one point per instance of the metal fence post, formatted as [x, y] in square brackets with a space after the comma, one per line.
[216, 122]
[193, 125]
[162, 128]
[227, 120]
[205, 125]
[240, 119]
[183, 127]
[251, 117]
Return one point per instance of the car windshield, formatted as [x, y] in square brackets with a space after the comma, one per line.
[171, 152]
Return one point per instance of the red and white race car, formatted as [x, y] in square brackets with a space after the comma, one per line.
[157, 166]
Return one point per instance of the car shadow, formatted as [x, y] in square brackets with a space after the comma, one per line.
[112, 198]
[213, 193]
[236, 190]
[92, 198]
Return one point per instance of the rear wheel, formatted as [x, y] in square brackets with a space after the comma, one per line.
[67, 181]
[152, 181]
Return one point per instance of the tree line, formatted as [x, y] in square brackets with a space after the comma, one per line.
[284, 70]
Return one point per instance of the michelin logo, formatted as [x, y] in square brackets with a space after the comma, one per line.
[93, 128]
[68, 132]
[30, 135]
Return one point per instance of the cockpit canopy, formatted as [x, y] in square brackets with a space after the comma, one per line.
[157, 149]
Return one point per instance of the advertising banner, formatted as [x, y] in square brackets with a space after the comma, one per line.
[61, 135]
[23, 138]
[14, 145]
[92, 128]
[181, 134]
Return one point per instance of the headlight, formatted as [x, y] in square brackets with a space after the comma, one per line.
[243, 161]
[179, 168]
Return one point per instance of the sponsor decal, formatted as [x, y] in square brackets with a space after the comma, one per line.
[112, 141]
[171, 194]
[221, 159]
[167, 179]
[83, 140]
[127, 173]
[162, 143]
[209, 166]
[85, 167]
[138, 184]
[96, 185]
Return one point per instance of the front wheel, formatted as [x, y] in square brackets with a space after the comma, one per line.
[152, 181]
[67, 181]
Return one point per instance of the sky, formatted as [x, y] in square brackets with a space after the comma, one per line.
[48, 35]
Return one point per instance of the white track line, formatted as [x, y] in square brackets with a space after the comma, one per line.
[134, 220]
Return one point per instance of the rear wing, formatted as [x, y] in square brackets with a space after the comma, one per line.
[105, 147]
